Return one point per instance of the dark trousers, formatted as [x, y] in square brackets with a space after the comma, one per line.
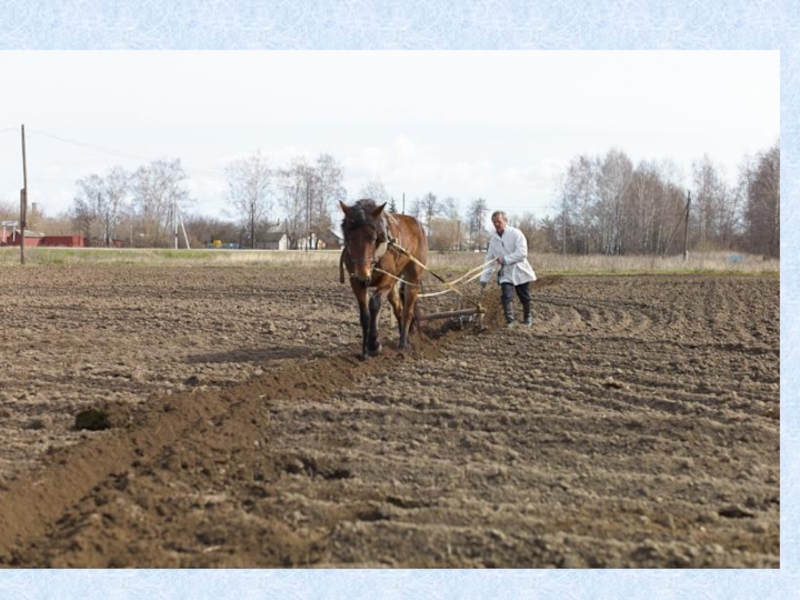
[507, 296]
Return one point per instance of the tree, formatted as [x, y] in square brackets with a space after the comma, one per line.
[97, 206]
[762, 210]
[445, 234]
[204, 230]
[376, 191]
[9, 211]
[614, 174]
[476, 217]
[158, 197]
[308, 193]
[330, 177]
[709, 205]
[249, 181]
[117, 186]
[426, 208]
[527, 225]
[294, 182]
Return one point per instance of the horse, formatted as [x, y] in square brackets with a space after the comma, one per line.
[375, 238]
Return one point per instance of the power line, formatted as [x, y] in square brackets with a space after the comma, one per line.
[121, 153]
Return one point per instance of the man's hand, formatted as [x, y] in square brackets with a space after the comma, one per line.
[500, 261]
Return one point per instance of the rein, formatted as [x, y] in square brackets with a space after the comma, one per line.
[451, 285]
[388, 241]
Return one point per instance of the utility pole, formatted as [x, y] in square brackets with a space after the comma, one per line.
[23, 202]
[175, 223]
[564, 218]
[686, 230]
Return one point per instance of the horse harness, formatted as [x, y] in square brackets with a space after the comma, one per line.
[383, 240]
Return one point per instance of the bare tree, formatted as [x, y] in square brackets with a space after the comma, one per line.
[294, 187]
[97, 206]
[87, 206]
[330, 177]
[117, 186]
[476, 217]
[527, 225]
[762, 212]
[614, 175]
[204, 230]
[249, 183]
[308, 193]
[158, 195]
[426, 208]
[708, 204]
[445, 234]
[375, 190]
[579, 198]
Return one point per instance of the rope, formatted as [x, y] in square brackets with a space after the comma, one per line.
[449, 284]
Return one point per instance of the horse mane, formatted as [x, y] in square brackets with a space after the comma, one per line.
[360, 215]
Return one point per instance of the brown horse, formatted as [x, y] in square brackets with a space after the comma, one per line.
[377, 238]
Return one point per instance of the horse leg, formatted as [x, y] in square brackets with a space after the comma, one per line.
[363, 314]
[409, 312]
[373, 345]
[397, 305]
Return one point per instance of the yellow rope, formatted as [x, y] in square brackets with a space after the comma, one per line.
[450, 284]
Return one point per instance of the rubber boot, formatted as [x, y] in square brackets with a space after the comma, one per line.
[527, 318]
[508, 311]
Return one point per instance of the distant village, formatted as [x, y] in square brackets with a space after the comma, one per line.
[11, 235]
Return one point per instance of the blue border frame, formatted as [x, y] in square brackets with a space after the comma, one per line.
[446, 24]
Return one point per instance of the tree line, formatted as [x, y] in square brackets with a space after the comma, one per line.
[602, 205]
[609, 206]
[145, 208]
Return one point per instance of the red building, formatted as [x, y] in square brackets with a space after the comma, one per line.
[69, 241]
[36, 238]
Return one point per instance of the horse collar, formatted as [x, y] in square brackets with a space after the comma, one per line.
[384, 238]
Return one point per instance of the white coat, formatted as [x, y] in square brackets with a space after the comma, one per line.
[512, 247]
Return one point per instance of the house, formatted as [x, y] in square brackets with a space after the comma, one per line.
[70, 241]
[331, 240]
[276, 240]
[32, 238]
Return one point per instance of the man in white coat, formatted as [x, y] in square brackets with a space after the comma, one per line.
[509, 249]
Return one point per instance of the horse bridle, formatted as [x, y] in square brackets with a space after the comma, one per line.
[382, 242]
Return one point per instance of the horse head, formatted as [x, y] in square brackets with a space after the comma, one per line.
[362, 232]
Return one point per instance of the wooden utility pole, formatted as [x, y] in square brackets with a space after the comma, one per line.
[23, 202]
[308, 215]
[686, 229]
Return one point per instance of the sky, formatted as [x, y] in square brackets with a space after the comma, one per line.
[501, 125]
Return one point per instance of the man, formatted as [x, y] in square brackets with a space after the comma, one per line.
[509, 249]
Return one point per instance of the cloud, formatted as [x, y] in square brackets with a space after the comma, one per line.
[370, 162]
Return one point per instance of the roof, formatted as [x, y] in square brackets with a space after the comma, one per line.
[330, 234]
[274, 236]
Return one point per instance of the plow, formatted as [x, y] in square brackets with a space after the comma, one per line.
[466, 310]
[462, 315]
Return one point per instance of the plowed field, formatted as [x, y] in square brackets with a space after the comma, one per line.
[636, 424]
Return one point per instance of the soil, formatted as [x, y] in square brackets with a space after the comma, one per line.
[636, 424]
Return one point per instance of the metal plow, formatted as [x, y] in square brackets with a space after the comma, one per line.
[460, 317]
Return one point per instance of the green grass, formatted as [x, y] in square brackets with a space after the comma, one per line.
[163, 256]
[544, 264]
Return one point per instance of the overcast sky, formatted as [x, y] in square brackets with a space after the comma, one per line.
[496, 124]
